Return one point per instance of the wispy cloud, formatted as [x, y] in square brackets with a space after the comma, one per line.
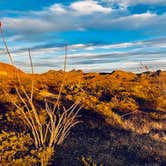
[90, 57]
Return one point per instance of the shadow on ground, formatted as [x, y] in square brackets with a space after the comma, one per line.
[110, 147]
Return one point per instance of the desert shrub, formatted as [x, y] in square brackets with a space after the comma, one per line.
[161, 103]
[88, 161]
[3, 97]
[14, 149]
[93, 103]
[111, 117]
[140, 91]
[126, 105]
[157, 115]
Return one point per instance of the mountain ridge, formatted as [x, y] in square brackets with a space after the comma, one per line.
[8, 69]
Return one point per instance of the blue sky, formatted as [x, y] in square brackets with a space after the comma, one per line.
[102, 35]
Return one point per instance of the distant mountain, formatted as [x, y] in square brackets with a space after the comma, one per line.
[6, 69]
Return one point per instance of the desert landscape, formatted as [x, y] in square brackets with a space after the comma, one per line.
[83, 83]
[122, 117]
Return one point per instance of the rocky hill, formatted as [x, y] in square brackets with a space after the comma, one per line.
[6, 69]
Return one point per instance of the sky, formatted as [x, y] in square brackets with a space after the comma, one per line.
[101, 35]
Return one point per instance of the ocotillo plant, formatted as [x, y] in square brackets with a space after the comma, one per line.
[57, 126]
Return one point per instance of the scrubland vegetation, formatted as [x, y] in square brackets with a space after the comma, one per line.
[123, 118]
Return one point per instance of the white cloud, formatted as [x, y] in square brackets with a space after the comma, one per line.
[57, 8]
[58, 18]
[135, 21]
[26, 24]
[88, 7]
[56, 23]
